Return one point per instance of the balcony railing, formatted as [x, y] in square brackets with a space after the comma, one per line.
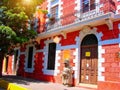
[82, 15]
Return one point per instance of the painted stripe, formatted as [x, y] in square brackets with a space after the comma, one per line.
[41, 50]
[68, 47]
[112, 41]
[22, 52]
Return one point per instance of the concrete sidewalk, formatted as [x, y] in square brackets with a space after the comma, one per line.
[32, 84]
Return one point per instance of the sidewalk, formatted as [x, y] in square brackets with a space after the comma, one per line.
[32, 84]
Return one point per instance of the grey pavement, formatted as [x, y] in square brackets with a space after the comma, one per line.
[32, 84]
[2, 89]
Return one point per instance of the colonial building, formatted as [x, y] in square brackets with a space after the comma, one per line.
[85, 32]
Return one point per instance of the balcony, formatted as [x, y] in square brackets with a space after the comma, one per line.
[85, 16]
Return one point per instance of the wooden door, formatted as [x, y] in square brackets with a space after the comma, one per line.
[89, 64]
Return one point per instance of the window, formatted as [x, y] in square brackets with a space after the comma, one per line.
[51, 56]
[54, 11]
[29, 60]
[30, 57]
[88, 5]
[54, 2]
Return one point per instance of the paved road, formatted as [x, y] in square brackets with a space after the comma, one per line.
[32, 84]
[2, 89]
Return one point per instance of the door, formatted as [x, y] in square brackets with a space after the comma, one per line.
[89, 60]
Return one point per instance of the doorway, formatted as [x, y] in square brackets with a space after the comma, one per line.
[89, 60]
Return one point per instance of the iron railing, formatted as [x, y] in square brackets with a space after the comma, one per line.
[98, 9]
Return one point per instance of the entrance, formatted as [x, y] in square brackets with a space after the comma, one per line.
[89, 60]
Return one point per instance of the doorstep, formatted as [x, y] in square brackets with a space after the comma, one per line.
[92, 86]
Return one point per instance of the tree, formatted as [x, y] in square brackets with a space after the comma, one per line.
[13, 26]
[29, 5]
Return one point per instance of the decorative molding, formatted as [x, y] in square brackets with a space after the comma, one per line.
[38, 40]
[63, 34]
[88, 30]
[109, 23]
[56, 39]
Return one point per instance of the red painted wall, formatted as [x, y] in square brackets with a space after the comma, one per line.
[111, 65]
[9, 69]
[112, 68]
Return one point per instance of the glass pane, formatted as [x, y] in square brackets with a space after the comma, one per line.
[30, 57]
[51, 56]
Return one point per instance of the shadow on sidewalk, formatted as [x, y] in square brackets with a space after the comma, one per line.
[20, 80]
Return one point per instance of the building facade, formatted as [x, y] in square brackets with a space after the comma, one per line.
[85, 32]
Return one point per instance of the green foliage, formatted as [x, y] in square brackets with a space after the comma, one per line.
[13, 27]
[44, 11]
[7, 31]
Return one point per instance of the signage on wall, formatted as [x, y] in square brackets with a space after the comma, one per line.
[87, 54]
[66, 54]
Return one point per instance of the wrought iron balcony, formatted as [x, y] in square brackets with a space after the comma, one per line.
[98, 13]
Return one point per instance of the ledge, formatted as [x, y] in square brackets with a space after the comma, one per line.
[77, 25]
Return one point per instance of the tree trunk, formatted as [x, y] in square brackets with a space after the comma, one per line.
[1, 62]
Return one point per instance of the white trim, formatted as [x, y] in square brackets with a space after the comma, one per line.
[77, 73]
[45, 58]
[78, 5]
[30, 70]
[49, 6]
[75, 68]
[22, 53]
[60, 8]
[41, 50]
[118, 7]
[101, 78]
[100, 61]
[119, 26]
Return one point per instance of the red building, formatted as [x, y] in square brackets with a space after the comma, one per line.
[85, 32]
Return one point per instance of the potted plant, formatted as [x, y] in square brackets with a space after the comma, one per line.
[52, 20]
